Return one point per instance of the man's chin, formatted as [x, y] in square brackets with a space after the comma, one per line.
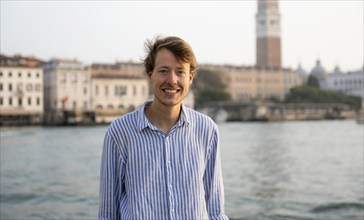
[169, 103]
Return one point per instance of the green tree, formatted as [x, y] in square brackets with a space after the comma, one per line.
[207, 87]
[309, 94]
[313, 81]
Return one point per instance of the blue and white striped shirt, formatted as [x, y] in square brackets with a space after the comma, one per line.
[147, 174]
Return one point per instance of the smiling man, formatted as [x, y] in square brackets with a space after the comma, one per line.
[162, 161]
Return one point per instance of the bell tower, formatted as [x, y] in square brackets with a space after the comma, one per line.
[268, 31]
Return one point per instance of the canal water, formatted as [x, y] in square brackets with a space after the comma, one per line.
[281, 170]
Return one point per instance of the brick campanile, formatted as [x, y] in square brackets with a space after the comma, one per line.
[268, 30]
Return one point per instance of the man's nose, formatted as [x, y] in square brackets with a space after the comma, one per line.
[172, 78]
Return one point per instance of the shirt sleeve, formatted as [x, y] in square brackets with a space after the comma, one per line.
[213, 182]
[111, 180]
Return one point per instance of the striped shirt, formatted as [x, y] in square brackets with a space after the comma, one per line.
[148, 174]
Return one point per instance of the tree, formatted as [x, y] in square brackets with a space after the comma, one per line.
[313, 81]
[309, 94]
[208, 86]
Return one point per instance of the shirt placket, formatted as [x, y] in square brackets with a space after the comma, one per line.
[167, 142]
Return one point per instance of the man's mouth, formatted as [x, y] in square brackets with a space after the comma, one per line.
[171, 91]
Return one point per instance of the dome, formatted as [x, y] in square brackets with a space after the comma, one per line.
[337, 71]
[301, 72]
[319, 72]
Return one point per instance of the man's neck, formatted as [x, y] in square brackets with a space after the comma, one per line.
[163, 117]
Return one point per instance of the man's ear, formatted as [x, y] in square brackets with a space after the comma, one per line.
[149, 74]
[192, 76]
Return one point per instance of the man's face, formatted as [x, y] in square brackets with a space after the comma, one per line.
[170, 78]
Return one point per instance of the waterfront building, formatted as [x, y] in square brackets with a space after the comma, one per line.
[21, 90]
[268, 35]
[117, 89]
[351, 83]
[115, 95]
[67, 89]
[246, 83]
[127, 69]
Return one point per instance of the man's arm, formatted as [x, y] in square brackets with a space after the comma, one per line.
[111, 180]
[213, 181]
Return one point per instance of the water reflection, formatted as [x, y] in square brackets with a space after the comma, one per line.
[271, 162]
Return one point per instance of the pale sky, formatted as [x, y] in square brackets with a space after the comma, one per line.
[221, 32]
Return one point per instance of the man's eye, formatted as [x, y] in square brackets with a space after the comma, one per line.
[181, 72]
[163, 71]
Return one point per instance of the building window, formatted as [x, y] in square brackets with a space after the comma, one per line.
[20, 102]
[63, 78]
[38, 101]
[10, 87]
[106, 90]
[84, 91]
[134, 90]
[1, 74]
[1, 87]
[29, 101]
[29, 87]
[10, 101]
[37, 75]
[96, 90]
[74, 104]
[1, 100]
[37, 87]
[19, 74]
[74, 79]
[120, 90]
[10, 74]
[29, 75]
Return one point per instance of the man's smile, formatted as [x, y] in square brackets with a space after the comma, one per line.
[171, 91]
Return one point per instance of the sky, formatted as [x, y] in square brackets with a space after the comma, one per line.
[220, 32]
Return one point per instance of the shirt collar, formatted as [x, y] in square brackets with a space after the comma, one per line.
[143, 121]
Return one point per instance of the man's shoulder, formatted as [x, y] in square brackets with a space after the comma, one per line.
[198, 117]
[126, 121]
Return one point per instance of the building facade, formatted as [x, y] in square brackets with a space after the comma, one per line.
[113, 96]
[117, 89]
[126, 69]
[268, 35]
[67, 88]
[21, 91]
[249, 83]
[351, 83]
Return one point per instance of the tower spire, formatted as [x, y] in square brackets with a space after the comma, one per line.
[268, 30]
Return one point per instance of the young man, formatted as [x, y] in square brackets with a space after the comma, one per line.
[162, 161]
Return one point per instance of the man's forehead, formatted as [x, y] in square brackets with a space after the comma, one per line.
[166, 58]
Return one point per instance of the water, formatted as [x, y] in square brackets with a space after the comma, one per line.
[283, 170]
